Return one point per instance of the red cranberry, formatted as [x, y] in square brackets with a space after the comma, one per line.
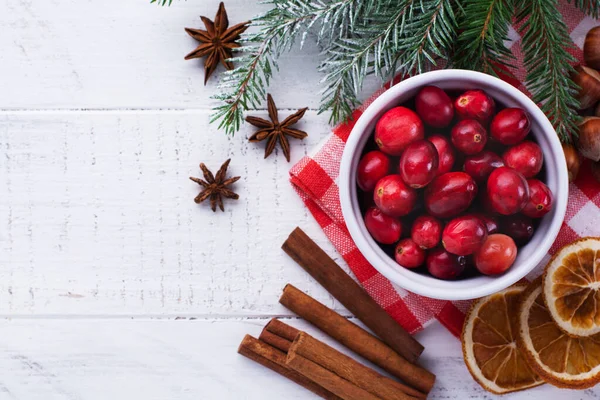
[481, 165]
[469, 136]
[519, 227]
[464, 235]
[525, 157]
[393, 197]
[408, 254]
[444, 265]
[475, 104]
[540, 199]
[510, 126]
[450, 194]
[496, 255]
[434, 106]
[382, 227]
[507, 190]
[396, 129]
[372, 167]
[490, 223]
[445, 153]
[426, 231]
[418, 163]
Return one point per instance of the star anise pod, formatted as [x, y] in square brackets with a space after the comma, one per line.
[216, 42]
[215, 187]
[274, 130]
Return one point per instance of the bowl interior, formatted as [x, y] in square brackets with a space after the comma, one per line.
[529, 256]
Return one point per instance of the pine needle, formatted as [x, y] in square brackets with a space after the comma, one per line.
[245, 86]
[481, 44]
[162, 2]
[589, 7]
[545, 43]
[371, 48]
[384, 38]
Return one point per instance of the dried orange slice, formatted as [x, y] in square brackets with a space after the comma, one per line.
[489, 344]
[571, 287]
[560, 359]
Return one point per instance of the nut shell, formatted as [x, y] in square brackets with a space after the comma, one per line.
[591, 48]
[573, 161]
[588, 80]
[588, 141]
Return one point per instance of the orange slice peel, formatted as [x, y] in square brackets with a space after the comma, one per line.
[560, 359]
[571, 287]
[489, 344]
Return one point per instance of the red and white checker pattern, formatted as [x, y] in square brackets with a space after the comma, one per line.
[314, 178]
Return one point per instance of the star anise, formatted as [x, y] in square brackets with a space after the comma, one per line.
[215, 187]
[274, 130]
[216, 42]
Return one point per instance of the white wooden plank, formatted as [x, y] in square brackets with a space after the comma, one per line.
[125, 54]
[166, 359]
[98, 217]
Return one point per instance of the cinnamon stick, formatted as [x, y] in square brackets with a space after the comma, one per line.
[274, 359]
[275, 340]
[355, 338]
[341, 286]
[327, 379]
[282, 329]
[362, 376]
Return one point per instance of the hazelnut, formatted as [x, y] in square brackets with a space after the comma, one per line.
[591, 48]
[573, 161]
[588, 81]
[588, 141]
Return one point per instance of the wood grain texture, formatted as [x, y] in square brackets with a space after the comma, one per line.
[102, 249]
[99, 217]
[185, 360]
[126, 54]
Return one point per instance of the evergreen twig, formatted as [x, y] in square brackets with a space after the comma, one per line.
[244, 87]
[386, 37]
[370, 50]
[545, 43]
[432, 32]
[481, 45]
[589, 7]
[162, 2]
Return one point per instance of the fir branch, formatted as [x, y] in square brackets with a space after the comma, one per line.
[407, 36]
[480, 45]
[371, 49]
[545, 43]
[244, 87]
[589, 7]
[162, 2]
[432, 34]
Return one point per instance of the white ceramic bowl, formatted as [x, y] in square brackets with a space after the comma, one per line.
[556, 178]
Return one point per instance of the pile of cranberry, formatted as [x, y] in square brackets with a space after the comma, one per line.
[462, 198]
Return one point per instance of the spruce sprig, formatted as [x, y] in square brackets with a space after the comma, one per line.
[244, 86]
[360, 38]
[429, 37]
[162, 2]
[370, 49]
[402, 37]
[481, 45]
[589, 7]
[545, 44]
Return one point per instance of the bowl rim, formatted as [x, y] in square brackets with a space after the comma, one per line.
[406, 278]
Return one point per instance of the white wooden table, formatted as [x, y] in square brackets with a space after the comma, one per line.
[114, 284]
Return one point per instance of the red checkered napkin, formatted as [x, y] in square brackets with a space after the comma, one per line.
[315, 177]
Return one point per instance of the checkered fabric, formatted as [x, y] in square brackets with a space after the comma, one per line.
[315, 176]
